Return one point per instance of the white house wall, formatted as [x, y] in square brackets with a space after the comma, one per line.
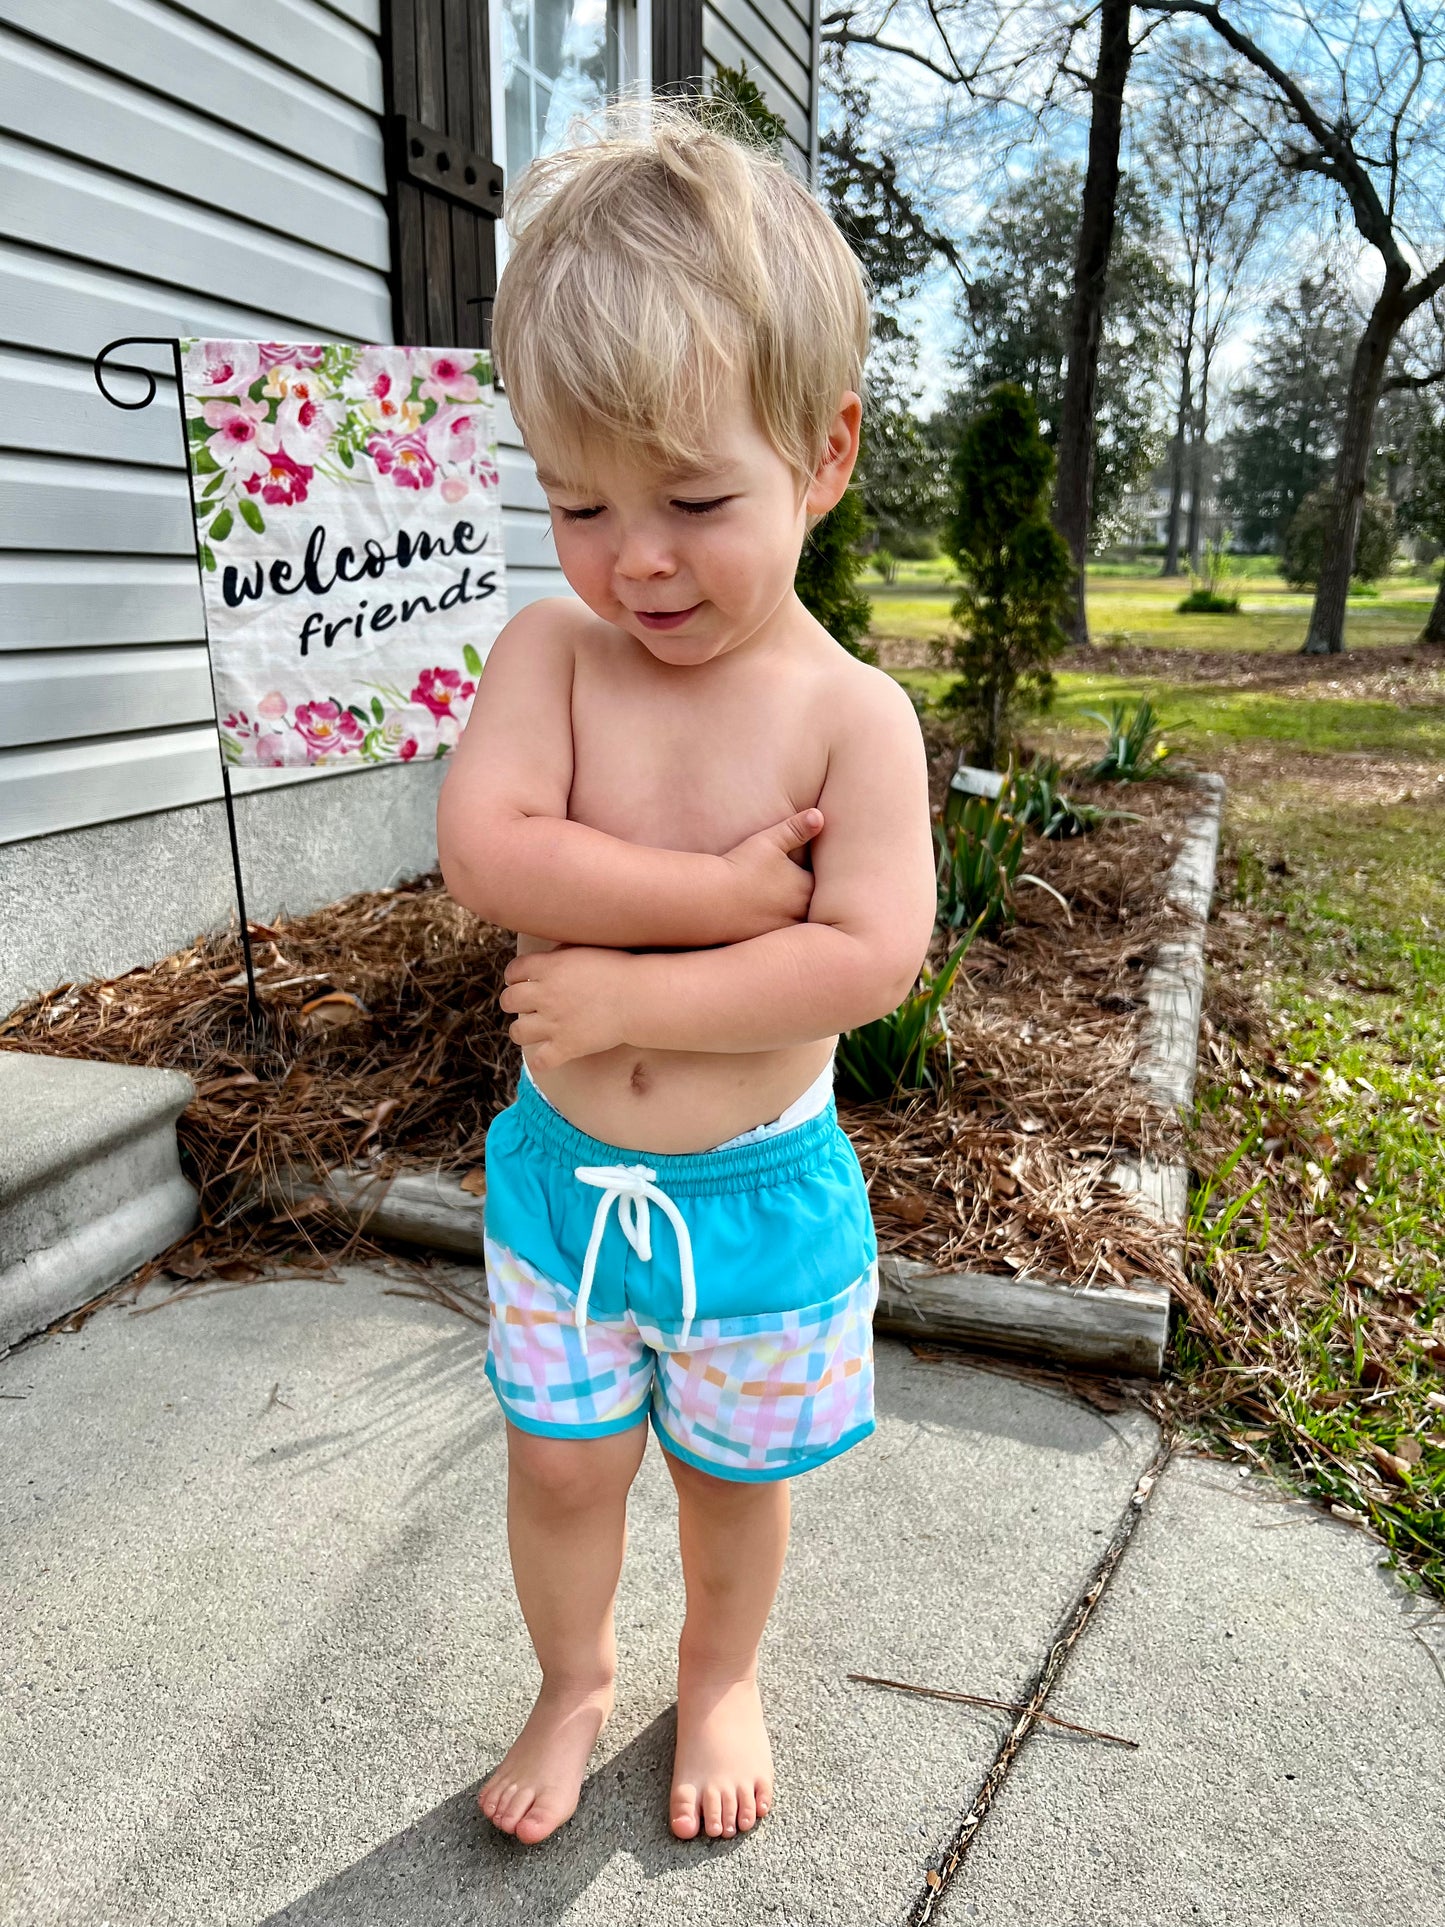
[170, 168]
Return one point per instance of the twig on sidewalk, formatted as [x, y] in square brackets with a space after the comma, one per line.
[937, 1878]
[980, 1699]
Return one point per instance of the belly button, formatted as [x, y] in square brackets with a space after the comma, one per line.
[639, 1079]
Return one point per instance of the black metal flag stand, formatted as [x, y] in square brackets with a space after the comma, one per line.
[253, 1001]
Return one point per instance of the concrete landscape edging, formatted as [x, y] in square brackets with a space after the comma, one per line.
[1111, 1328]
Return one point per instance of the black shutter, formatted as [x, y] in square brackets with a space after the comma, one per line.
[445, 192]
[677, 46]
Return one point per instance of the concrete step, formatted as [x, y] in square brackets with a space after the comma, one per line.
[90, 1181]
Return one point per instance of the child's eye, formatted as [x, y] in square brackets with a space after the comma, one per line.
[578, 515]
[701, 508]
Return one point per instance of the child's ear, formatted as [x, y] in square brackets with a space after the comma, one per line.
[834, 472]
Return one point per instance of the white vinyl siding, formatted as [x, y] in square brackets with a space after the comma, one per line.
[166, 168]
[776, 42]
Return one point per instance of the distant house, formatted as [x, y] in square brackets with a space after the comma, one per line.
[1144, 511]
[251, 168]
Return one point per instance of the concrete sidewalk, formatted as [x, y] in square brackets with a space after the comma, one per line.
[261, 1647]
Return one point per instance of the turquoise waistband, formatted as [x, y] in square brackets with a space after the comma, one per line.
[695, 1174]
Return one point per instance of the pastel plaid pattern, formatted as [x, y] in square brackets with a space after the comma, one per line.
[756, 1397]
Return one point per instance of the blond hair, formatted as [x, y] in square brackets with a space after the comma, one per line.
[654, 265]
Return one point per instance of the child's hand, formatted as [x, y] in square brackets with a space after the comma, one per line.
[569, 1003]
[773, 891]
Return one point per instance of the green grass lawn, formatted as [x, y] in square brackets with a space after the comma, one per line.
[1133, 610]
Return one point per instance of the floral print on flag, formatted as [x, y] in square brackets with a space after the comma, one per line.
[348, 524]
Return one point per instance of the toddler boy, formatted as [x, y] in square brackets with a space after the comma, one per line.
[676, 1227]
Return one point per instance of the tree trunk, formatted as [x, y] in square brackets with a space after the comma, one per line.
[1198, 450]
[1176, 469]
[1074, 486]
[1434, 630]
[1367, 377]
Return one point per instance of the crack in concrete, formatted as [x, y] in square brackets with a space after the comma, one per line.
[938, 1878]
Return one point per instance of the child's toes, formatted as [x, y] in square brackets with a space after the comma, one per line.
[684, 1812]
[747, 1811]
[764, 1799]
[543, 1816]
[712, 1812]
[511, 1809]
[729, 1812]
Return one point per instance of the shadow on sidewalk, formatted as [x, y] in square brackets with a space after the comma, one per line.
[453, 1869]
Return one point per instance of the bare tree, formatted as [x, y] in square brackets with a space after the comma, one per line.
[1218, 189]
[1356, 100]
[1350, 95]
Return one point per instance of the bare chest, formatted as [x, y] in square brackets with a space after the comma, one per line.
[692, 769]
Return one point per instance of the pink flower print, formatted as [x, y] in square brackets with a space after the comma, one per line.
[408, 749]
[272, 705]
[383, 382]
[239, 724]
[305, 423]
[451, 436]
[237, 426]
[454, 489]
[326, 727]
[280, 480]
[221, 367]
[448, 376]
[404, 458]
[271, 750]
[289, 354]
[438, 689]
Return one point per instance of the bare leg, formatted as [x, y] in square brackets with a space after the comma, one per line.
[566, 1527]
[733, 1537]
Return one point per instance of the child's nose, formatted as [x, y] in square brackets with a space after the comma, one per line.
[643, 555]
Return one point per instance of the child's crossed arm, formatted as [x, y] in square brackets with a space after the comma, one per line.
[509, 853]
[856, 957]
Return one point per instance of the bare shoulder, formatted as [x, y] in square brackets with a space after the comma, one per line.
[544, 635]
[866, 709]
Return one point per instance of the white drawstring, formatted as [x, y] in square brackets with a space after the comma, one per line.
[632, 1186]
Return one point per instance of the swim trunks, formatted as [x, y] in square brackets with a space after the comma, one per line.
[726, 1295]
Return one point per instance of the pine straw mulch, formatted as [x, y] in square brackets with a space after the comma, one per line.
[383, 1047]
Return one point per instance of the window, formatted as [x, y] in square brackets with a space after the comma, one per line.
[558, 59]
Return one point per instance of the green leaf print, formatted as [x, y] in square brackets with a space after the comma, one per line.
[199, 429]
[216, 482]
[471, 659]
[251, 515]
[205, 463]
[377, 710]
[360, 715]
[208, 558]
[222, 526]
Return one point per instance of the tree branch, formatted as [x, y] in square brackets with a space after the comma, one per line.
[1333, 142]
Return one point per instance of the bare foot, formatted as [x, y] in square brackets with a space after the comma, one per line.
[538, 1785]
[722, 1773]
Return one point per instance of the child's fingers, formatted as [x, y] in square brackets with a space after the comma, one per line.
[529, 1030]
[519, 996]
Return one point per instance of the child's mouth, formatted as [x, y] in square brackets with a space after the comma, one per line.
[665, 618]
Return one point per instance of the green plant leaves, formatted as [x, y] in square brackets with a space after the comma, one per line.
[222, 526]
[471, 659]
[251, 515]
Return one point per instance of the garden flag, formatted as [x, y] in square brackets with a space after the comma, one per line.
[349, 525]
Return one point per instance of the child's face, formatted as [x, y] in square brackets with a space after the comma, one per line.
[693, 565]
